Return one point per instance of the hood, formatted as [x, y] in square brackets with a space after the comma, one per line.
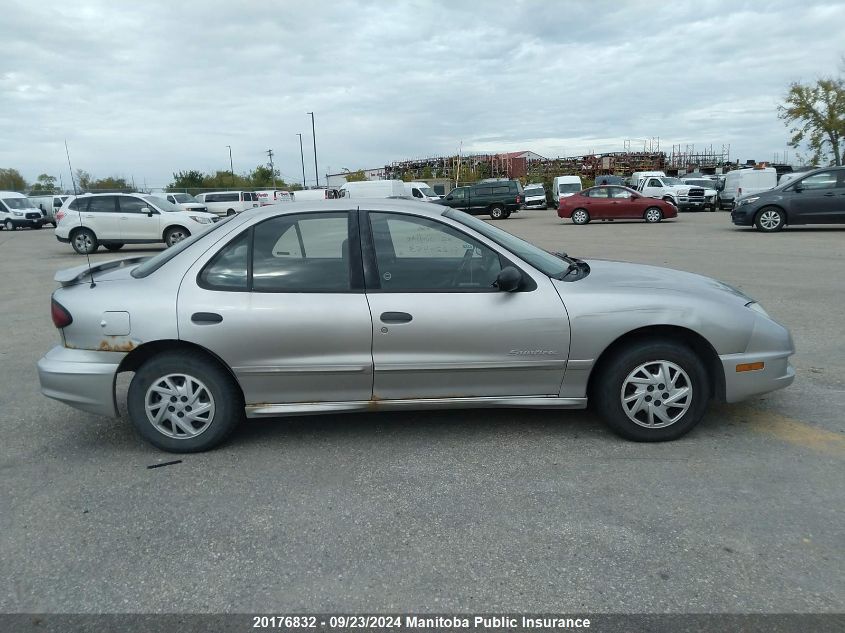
[628, 277]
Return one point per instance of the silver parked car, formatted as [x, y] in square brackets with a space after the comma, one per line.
[322, 307]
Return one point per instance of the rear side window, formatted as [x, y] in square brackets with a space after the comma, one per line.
[103, 204]
[78, 204]
[228, 270]
[501, 189]
[228, 197]
[482, 191]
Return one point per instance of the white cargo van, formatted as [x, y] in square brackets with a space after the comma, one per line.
[421, 191]
[742, 182]
[565, 186]
[228, 202]
[373, 189]
[49, 205]
[272, 196]
[315, 194]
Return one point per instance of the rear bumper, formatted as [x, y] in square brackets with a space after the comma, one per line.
[83, 379]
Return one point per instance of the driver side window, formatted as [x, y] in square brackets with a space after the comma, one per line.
[419, 254]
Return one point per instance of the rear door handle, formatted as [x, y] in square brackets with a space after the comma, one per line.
[395, 317]
[206, 318]
[829, 193]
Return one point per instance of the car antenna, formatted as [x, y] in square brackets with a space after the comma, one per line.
[78, 212]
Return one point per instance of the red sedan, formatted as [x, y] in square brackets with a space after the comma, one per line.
[613, 202]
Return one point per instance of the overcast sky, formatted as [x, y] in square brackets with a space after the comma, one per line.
[144, 89]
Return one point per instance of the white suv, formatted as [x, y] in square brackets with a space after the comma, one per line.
[115, 219]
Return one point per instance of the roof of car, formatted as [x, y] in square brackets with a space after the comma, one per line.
[403, 205]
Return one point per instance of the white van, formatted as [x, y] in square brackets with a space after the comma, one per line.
[421, 191]
[315, 194]
[273, 196]
[742, 182]
[373, 189]
[564, 186]
[17, 211]
[228, 202]
[49, 205]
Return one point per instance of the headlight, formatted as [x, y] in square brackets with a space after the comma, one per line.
[199, 219]
[17, 212]
[757, 308]
[748, 200]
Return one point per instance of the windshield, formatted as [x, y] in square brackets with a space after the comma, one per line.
[536, 191]
[183, 197]
[163, 204]
[569, 187]
[19, 203]
[157, 261]
[429, 192]
[541, 260]
[672, 181]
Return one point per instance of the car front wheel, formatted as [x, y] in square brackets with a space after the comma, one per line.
[770, 219]
[652, 391]
[580, 216]
[182, 402]
[497, 212]
[9, 225]
[176, 234]
[653, 214]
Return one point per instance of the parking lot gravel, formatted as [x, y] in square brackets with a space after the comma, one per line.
[478, 511]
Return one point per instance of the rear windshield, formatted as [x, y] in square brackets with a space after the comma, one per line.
[157, 261]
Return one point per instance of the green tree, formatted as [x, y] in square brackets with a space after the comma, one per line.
[190, 179]
[816, 114]
[11, 179]
[109, 183]
[262, 176]
[44, 184]
[427, 173]
[83, 179]
[408, 176]
[356, 176]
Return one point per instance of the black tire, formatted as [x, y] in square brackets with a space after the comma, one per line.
[84, 241]
[497, 212]
[607, 390]
[652, 218]
[175, 234]
[230, 212]
[507, 215]
[114, 247]
[9, 225]
[770, 220]
[226, 397]
[580, 216]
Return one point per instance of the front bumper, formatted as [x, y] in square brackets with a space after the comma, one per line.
[769, 343]
[83, 379]
[744, 215]
[692, 205]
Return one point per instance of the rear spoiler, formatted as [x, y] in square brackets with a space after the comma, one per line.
[70, 276]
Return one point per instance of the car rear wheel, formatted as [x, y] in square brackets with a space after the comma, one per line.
[114, 247]
[652, 215]
[84, 241]
[652, 391]
[230, 212]
[580, 216]
[497, 212]
[182, 402]
[770, 219]
[176, 234]
[9, 225]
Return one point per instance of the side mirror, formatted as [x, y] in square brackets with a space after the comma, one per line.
[798, 187]
[508, 279]
[148, 211]
[634, 196]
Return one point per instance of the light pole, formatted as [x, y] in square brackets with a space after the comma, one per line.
[314, 137]
[231, 168]
[302, 157]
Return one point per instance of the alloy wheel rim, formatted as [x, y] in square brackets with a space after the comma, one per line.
[179, 406]
[653, 215]
[176, 236]
[580, 216]
[656, 394]
[770, 219]
[83, 241]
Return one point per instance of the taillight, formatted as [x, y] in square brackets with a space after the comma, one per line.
[61, 317]
[60, 214]
[518, 199]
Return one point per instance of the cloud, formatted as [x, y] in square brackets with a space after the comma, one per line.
[148, 89]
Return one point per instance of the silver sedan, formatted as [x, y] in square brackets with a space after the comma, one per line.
[383, 305]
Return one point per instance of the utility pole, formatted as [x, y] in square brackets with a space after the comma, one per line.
[302, 157]
[314, 137]
[272, 169]
[231, 168]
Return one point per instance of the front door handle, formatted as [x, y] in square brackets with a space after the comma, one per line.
[395, 317]
[829, 193]
[206, 318]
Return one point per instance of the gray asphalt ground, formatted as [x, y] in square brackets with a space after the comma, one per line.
[448, 511]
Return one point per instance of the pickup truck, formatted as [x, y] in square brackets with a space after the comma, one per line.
[684, 197]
